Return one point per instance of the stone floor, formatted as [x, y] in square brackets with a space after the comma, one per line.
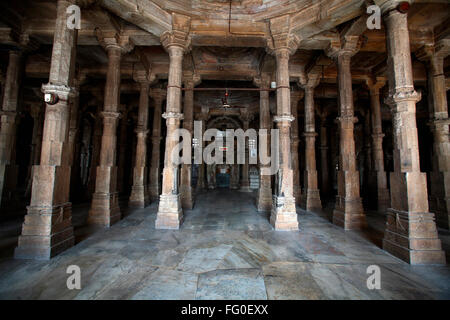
[224, 250]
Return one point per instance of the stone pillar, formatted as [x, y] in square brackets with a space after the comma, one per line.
[158, 96]
[36, 141]
[348, 212]
[411, 232]
[383, 198]
[123, 143]
[439, 193]
[139, 194]
[201, 180]
[324, 155]
[283, 214]
[95, 158]
[264, 200]
[187, 197]
[170, 213]
[311, 198]
[47, 229]
[105, 209]
[245, 179]
[8, 169]
[296, 96]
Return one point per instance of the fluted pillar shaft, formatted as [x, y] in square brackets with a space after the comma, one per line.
[265, 189]
[154, 187]
[411, 232]
[187, 197]
[105, 209]
[139, 195]
[348, 212]
[295, 97]
[170, 213]
[383, 198]
[311, 197]
[47, 229]
[245, 179]
[284, 214]
[324, 157]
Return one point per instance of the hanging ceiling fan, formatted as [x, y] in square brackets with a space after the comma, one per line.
[225, 103]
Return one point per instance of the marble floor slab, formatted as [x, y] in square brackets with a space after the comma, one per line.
[225, 249]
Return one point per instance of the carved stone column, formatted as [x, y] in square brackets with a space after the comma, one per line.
[245, 179]
[411, 232]
[296, 96]
[187, 197]
[348, 212]
[47, 229]
[383, 197]
[170, 213]
[139, 194]
[311, 198]
[284, 214]
[324, 155]
[264, 200]
[95, 158]
[201, 180]
[439, 193]
[36, 142]
[8, 169]
[122, 146]
[158, 96]
[105, 209]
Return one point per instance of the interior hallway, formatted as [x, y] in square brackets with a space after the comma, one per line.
[224, 249]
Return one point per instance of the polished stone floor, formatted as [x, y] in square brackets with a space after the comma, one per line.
[224, 250]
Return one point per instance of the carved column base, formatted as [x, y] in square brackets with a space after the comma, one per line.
[104, 210]
[154, 192]
[283, 216]
[311, 200]
[413, 237]
[139, 197]
[349, 214]
[245, 188]
[439, 203]
[46, 232]
[187, 198]
[264, 200]
[384, 200]
[170, 213]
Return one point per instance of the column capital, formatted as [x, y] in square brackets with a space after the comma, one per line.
[144, 77]
[375, 84]
[281, 39]
[114, 41]
[262, 81]
[110, 115]
[440, 50]
[389, 5]
[158, 95]
[346, 48]
[191, 80]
